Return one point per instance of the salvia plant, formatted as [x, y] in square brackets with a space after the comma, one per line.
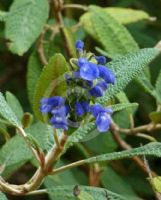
[89, 127]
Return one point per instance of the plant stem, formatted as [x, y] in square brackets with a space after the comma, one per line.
[57, 6]
[75, 6]
[147, 128]
[69, 166]
[125, 146]
[37, 192]
[56, 139]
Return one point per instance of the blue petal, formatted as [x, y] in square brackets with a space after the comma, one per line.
[106, 74]
[79, 109]
[81, 62]
[96, 109]
[56, 101]
[59, 122]
[45, 108]
[44, 100]
[102, 84]
[60, 111]
[103, 122]
[79, 44]
[96, 91]
[101, 60]
[109, 111]
[89, 71]
[85, 106]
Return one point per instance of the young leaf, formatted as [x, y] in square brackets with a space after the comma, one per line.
[15, 105]
[126, 68]
[33, 72]
[51, 82]
[67, 193]
[24, 23]
[7, 113]
[151, 149]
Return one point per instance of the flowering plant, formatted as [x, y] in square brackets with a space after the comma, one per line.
[92, 78]
[92, 100]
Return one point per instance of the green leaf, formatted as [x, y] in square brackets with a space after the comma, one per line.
[14, 154]
[71, 40]
[155, 117]
[43, 134]
[7, 113]
[122, 106]
[2, 196]
[114, 182]
[127, 15]
[158, 86]
[81, 134]
[34, 68]
[66, 192]
[126, 68]
[25, 22]
[147, 86]
[15, 105]
[151, 149]
[114, 37]
[122, 97]
[51, 82]
[122, 15]
[3, 15]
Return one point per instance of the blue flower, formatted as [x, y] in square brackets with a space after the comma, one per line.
[60, 111]
[96, 109]
[47, 104]
[89, 71]
[59, 121]
[102, 116]
[81, 62]
[96, 91]
[89, 80]
[101, 60]
[106, 74]
[81, 108]
[103, 122]
[79, 45]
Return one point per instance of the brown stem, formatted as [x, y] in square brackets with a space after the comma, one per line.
[40, 47]
[145, 128]
[125, 146]
[37, 179]
[57, 7]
